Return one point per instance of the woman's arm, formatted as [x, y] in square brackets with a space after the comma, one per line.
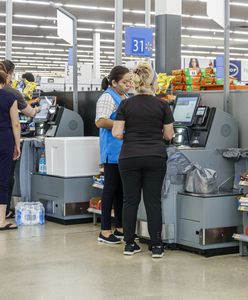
[104, 123]
[16, 129]
[30, 111]
[118, 129]
[168, 132]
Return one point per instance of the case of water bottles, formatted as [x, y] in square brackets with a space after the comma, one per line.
[29, 213]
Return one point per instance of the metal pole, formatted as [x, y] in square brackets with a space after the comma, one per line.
[96, 55]
[148, 13]
[75, 71]
[74, 57]
[148, 19]
[9, 17]
[227, 56]
[118, 31]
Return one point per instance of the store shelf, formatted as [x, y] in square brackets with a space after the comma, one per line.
[94, 211]
[98, 211]
[98, 186]
[243, 208]
[240, 237]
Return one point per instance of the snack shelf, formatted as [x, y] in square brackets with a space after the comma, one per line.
[97, 212]
[98, 186]
[243, 208]
[240, 237]
[243, 183]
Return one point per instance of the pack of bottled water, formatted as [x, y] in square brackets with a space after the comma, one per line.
[29, 213]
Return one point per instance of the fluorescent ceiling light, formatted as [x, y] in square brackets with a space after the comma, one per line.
[96, 21]
[202, 29]
[242, 4]
[44, 49]
[32, 2]
[34, 17]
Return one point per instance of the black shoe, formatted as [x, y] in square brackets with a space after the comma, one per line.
[131, 249]
[157, 251]
[109, 240]
[118, 234]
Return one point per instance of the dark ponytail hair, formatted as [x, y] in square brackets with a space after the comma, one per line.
[116, 74]
[3, 77]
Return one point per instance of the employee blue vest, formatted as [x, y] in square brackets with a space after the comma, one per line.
[110, 147]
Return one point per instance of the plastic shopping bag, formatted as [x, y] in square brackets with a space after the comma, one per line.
[200, 180]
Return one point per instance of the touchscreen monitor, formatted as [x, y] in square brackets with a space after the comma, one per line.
[185, 108]
[45, 104]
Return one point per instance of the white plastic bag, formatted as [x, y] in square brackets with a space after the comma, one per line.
[200, 180]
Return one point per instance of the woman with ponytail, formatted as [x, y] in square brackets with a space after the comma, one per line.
[115, 87]
[147, 121]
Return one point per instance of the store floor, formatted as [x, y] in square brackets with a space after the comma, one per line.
[66, 262]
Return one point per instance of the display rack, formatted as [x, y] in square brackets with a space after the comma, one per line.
[98, 183]
[243, 207]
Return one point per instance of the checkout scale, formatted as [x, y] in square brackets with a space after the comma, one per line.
[65, 199]
[203, 223]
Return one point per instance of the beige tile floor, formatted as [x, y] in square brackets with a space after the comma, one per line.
[66, 262]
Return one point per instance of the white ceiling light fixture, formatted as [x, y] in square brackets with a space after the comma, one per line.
[33, 17]
[241, 4]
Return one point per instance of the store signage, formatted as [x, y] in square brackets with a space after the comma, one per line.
[234, 68]
[139, 41]
[216, 11]
[64, 27]
[220, 66]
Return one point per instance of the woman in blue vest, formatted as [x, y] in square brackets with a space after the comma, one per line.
[116, 85]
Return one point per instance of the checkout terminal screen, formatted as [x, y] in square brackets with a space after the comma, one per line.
[45, 104]
[185, 109]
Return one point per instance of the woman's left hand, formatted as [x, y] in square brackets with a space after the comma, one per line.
[17, 153]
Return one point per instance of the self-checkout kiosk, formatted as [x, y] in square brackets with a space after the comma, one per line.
[65, 199]
[201, 222]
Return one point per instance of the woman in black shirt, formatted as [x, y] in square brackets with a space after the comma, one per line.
[9, 145]
[143, 121]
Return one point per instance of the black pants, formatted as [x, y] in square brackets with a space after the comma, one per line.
[11, 185]
[145, 173]
[112, 196]
[6, 158]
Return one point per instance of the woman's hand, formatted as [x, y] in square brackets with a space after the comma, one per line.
[17, 153]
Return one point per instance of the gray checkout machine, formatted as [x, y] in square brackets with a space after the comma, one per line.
[203, 223]
[65, 199]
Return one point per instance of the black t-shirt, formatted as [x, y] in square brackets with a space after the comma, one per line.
[6, 101]
[21, 103]
[144, 117]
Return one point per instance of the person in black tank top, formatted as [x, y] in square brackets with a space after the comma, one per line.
[143, 121]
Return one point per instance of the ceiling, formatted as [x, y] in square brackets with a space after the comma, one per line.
[37, 48]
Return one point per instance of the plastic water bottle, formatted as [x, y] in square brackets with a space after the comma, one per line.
[42, 163]
[30, 213]
[41, 214]
[18, 214]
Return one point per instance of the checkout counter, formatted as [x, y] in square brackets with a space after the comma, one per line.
[64, 199]
[204, 223]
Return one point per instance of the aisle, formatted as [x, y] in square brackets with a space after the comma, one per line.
[65, 262]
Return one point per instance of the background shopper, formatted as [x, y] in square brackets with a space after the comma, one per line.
[9, 67]
[147, 120]
[9, 145]
[116, 86]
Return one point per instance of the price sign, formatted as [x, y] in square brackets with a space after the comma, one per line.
[138, 41]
